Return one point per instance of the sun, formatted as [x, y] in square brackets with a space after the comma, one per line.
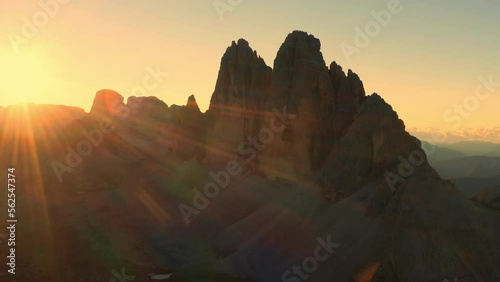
[23, 77]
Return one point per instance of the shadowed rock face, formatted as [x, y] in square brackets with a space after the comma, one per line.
[349, 95]
[369, 147]
[324, 102]
[240, 93]
[191, 132]
[148, 107]
[299, 68]
[180, 129]
[301, 84]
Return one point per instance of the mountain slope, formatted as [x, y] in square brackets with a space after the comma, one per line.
[293, 174]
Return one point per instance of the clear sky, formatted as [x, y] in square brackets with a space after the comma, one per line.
[424, 60]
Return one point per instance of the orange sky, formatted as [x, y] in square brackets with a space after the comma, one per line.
[426, 61]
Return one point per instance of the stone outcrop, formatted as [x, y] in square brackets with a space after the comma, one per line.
[241, 90]
[302, 86]
[190, 131]
[299, 68]
[152, 126]
[370, 147]
[150, 108]
[107, 103]
[323, 101]
[349, 95]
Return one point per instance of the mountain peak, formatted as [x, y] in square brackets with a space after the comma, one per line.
[300, 46]
[242, 43]
[240, 50]
[106, 102]
[191, 102]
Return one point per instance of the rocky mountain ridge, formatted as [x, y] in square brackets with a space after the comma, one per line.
[306, 157]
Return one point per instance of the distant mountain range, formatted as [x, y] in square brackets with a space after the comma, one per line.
[471, 165]
[474, 148]
[436, 153]
[449, 151]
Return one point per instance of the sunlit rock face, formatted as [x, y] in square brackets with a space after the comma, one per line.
[107, 103]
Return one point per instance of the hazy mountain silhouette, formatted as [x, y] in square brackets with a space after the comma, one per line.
[438, 153]
[475, 148]
[286, 159]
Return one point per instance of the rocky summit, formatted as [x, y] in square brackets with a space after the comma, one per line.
[294, 173]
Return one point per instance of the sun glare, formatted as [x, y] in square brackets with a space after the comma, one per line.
[24, 77]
